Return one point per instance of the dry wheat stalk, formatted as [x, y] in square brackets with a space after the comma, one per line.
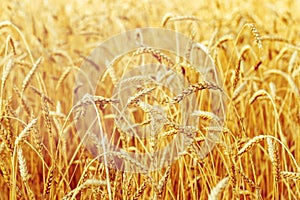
[30, 74]
[288, 77]
[87, 184]
[222, 40]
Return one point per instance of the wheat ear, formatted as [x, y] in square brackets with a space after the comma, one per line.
[30, 75]
[216, 191]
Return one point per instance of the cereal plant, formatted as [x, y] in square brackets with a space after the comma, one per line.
[150, 99]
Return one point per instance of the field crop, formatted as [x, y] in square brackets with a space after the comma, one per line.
[254, 45]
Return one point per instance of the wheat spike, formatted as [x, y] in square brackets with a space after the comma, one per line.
[140, 190]
[22, 164]
[160, 188]
[274, 156]
[194, 88]
[23, 102]
[156, 54]
[256, 34]
[63, 77]
[257, 94]
[49, 180]
[205, 115]
[251, 143]
[292, 62]
[216, 191]
[30, 75]
[238, 90]
[8, 67]
[25, 131]
[290, 175]
[134, 99]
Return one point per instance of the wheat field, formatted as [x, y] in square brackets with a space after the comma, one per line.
[255, 48]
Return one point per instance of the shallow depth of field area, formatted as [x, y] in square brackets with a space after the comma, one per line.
[255, 46]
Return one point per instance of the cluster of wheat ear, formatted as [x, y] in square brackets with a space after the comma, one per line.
[255, 48]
